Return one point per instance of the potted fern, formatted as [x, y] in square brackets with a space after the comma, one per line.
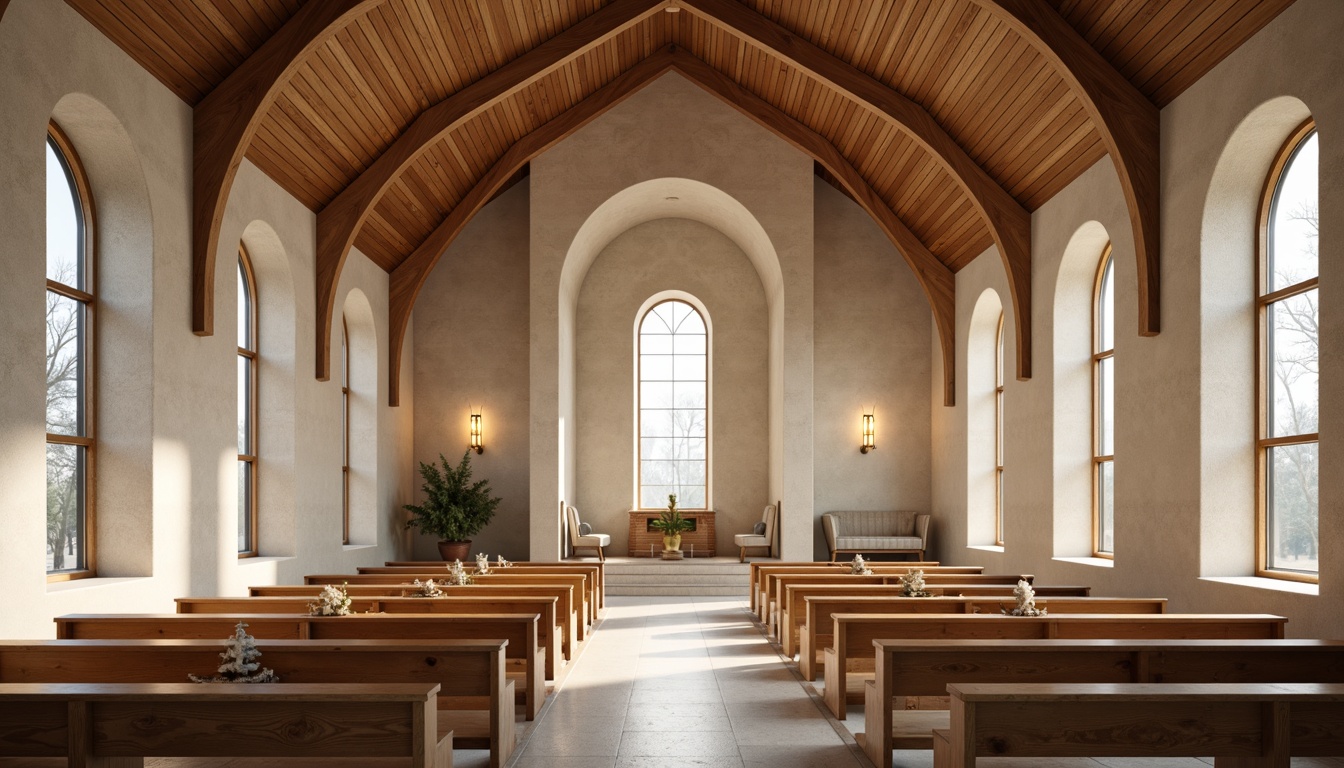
[455, 509]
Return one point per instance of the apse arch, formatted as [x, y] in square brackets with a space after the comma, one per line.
[1229, 263]
[1072, 396]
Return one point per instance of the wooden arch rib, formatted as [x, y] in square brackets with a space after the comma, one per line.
[1008, 222]
[937, 280]
[1128, 122]
[339, 223]
[226, 120]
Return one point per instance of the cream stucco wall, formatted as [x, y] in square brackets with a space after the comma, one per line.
[166, 485]
[1182, 519]
[648, 259]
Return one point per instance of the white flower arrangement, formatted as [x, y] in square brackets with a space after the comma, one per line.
[913, 583]
[482, 564]
[331, 601]
[500, 562]
[1026, 601]
[457, 575]
[857, 567]
[424, 589]
[240, 662]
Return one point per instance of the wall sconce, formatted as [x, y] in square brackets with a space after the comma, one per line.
[477, 444]
[869, 434]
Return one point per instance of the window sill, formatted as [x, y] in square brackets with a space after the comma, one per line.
[987, 548]
[357, 547]
[1096, 562]
[1260, 582]
[92, 582]
[262, 560]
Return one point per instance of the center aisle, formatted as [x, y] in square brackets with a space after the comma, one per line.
[682, 681]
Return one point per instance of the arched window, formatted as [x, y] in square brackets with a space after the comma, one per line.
[998, 433]
[673, 406]
[1103, 409]
[345, 431]
[247, 406]
[70, 362]
[1288, 349]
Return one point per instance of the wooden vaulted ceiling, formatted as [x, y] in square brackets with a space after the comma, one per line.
[1013, 121]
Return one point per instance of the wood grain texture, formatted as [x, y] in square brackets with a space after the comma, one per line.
[225, 121]
[340, 222]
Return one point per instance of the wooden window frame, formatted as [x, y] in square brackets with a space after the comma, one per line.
[252, 353]
[1098, 355]
[88, 440]
[639, 408]
[345, 432]
[998, 433]
[1262, 303]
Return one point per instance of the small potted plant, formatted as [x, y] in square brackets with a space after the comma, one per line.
[455, 509]
[672, 524]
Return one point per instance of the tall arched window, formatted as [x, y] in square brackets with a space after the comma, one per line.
[247, 406]
[673, 406]
[1288, 349]
[345, 431]
[70, 362]
[1103, 409]
[998, 433]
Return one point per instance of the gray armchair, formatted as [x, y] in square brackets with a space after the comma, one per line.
[591, 541]
[754, 540]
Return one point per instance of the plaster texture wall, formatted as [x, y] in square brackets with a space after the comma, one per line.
[873, 327]
[166, 486]
[657, 256]
[670, 130]
[1184, 520]
[471, 349]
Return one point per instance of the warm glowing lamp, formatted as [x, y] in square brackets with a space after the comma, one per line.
[869, 434]
[477, 444]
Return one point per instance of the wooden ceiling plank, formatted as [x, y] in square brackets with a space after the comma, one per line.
[936, 279]
[226, 120]
[1007, 219]
[411, 274]
[1174, 38]
[1184, 72]
[339, 222]
[1127, 121]
[131, 35]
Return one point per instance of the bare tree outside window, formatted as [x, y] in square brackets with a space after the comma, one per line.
[673, 406]
[1289, 348]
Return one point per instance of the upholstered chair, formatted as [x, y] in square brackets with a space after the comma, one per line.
[753, 540]
[578, 540]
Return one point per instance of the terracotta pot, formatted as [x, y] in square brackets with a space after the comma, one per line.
[455, 550]
[671, 542]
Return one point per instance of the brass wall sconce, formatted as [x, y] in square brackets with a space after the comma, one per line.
[477, 443]
[869, 434]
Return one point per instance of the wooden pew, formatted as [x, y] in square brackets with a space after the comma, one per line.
[818, 610]
[923, 668]
[794, 604]
[379, 599]
[759, 567]
[849, 660]
[1237, 724]
[569, 608]
[584, 588]
[765, 585]
[476, 702]
[117, 725]
[781, 583]
[596, 571]
[525, 662]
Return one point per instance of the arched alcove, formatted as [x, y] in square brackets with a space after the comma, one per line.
[1229, 238]
[124, 264]
[670, 199]
[1072, 426]
[982, 381]
[277, 525]
[361, 335]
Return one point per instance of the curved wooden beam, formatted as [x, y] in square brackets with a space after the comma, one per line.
[937, 280]
[1008, 222]
[339, 223]
[1128, 122]
[410, 275]
[226, 120]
